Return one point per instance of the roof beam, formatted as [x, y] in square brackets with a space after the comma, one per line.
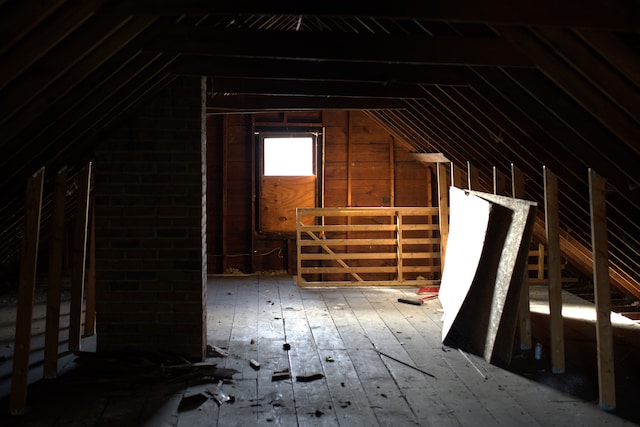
[598, 72]
[19, 17]
[575, 85]
[32, 47]
[256, 103]
[415, 49]
[278, 87]
[325, 70]
[605, 14]
[66, 82]
[55, 63]
[622, 56]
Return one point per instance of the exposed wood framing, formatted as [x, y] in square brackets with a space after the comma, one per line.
[329, 256]
[604, 331]
[524, 314]
[26, 290]
[555, 280]
[79, 257]
[52, 328]
[345, 46]
[443, 209]
[90, 310]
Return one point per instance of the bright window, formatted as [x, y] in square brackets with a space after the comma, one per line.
[288, 156]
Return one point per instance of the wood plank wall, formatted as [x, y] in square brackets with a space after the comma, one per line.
[363, 166]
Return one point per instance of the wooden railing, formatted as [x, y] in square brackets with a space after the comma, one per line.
[367, 246]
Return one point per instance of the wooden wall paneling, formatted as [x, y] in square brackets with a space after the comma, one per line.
[392, 173]
[349, 161]
[79, 257]
[431, 219]
[52, 328]
[26, 290]
[524, 313]
[552, 228]
[604, 332]
[238, 213]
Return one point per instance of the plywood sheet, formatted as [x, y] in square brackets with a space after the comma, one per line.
[509, 277]
[468, 222]
[484, 268]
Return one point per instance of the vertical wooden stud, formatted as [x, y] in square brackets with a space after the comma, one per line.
[26, 291]
[552, 227]
[253, 192]
[392, 174]
[52, 328]
[90, 311]
[349, 156]
[443, 211]
[600, 251]
[541, 264]
[524, 313]
[79, 258]
[399, 239]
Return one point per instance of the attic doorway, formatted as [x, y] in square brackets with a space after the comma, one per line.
[288, 177]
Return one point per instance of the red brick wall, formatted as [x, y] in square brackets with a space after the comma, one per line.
[150, 205]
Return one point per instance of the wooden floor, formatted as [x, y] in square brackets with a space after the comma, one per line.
[381, 363]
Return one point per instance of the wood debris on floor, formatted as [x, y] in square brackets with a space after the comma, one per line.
[355, 357]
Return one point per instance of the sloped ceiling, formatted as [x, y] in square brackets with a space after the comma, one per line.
[534, 84]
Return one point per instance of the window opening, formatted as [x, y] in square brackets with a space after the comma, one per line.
[292, 156]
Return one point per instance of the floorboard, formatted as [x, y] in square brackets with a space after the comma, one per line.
[379, 363]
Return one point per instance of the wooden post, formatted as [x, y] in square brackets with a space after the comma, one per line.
[90, 310]
[52, 329]
[552, 227]
[399, 239]
[79, 258]
[443, 211]
[600, 251]
[524, 313]
[392, 174]
[541, 263]
[26, 291]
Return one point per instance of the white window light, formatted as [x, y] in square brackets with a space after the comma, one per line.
[288, 156]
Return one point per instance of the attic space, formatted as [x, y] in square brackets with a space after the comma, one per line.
[462, 216]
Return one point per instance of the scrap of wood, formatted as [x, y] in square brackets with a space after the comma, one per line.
[309, 378]
[404, 363]
[215, 351]
[284, 374]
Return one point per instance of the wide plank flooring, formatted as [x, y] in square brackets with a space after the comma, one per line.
[368, 361]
